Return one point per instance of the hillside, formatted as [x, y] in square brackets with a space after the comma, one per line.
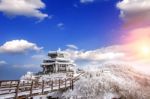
[111, 81]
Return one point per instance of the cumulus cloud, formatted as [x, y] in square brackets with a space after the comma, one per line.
[95, 57]
[113, 54]
[28, 8]
[2, 62]
[97, 54]
[135, 11]
[38, 57]
[26, 66]
[18, 46]
[72, 46]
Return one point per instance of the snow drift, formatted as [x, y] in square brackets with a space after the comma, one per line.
[111, 82]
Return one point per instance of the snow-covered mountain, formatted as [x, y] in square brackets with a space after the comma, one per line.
[111, 82]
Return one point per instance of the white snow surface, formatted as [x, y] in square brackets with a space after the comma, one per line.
[108, 81]
[28, 76]
[55, 76]
[111, 81]
[46, 77]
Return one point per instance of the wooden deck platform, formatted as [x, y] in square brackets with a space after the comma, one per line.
[15, 89]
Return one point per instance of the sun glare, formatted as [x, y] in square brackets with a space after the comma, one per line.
[142, 47]
[145, 50]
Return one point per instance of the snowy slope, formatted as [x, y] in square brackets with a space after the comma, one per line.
[111, 81]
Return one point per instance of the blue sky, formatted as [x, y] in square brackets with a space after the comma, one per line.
[37, 26]
[88, 25]
[92, 23]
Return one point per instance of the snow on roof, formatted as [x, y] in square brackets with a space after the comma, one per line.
[54, 59]
[56, 63]
[58, 51]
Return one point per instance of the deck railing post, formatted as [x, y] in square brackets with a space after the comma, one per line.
[23, 83]
[0, 84]
[10, 85]
[47, 83]
[31, 88]
[17, 89]
[70, 83]
[43, 87]
[52, 85]
[65, 83]
[59, 83]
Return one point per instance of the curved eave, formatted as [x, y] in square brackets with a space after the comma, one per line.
[44, 64]
[56, 52]
[57, 59]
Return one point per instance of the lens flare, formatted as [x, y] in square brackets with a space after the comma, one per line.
[145, 50]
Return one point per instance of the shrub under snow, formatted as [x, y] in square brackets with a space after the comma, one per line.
[111, 81]
[28, 76]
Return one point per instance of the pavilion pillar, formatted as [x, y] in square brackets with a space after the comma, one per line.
[44, 70]
[56, 68]
[65, 67]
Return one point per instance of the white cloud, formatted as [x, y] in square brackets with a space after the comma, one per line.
[136, 11]
[86, 1]
[72, 46]
[26, 66]
[28, 8]
[38, 57]
[92, 57]
[3, 63]
[97, 55]
[60, 25]
[18, 46]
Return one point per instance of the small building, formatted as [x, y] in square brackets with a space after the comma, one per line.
[57, 62]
